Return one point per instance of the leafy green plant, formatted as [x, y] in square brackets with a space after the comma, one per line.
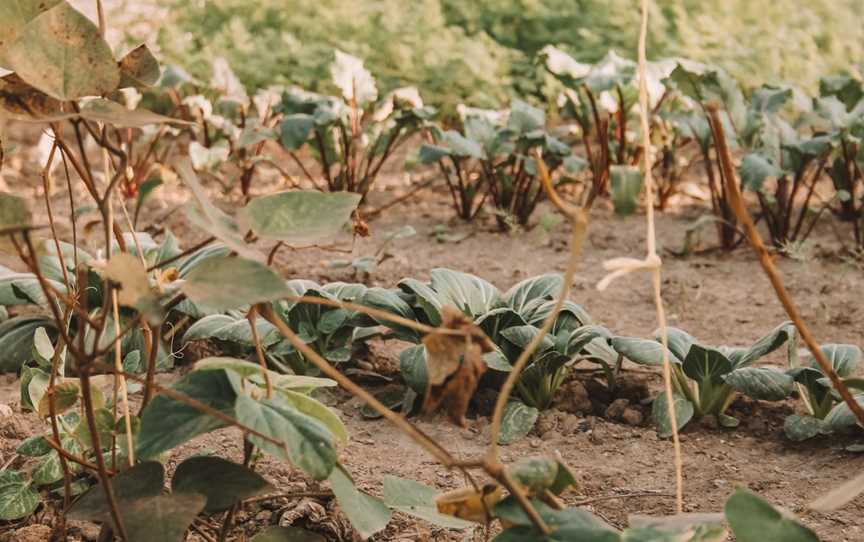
[707, 379]
[840, 106]
[510, 320]
[491, 158]
[826, 411]
[351, 136]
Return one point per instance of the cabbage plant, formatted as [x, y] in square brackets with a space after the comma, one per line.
[707, 379]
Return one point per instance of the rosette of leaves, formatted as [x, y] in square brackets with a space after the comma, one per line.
[353, 135]
[706, 379]
[495, 160]
[327, 329]
[794, 161]
[509, 319]
[749, 517]
[826, 411]
[840, 107]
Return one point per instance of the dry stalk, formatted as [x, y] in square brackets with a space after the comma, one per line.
[767, 263]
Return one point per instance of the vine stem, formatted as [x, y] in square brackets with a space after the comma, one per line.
[770, 268]
[651, 241]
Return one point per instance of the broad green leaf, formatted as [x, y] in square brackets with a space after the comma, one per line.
[61, 53]
[706, 365]
[287, 534]
[754, 520]
[34, 446]
[755, 169]
[764, 383]
[65, 396]
[412, 366]
[800, 428]
[471, 295]
[16, 14]
[305, 442]
[769, 98]
[139, 68]
[114, 114]
[300, 217]
[223, 283]
[223, 482]
[167, 422]
[626, 185]
[520, 336]
[418, 500]
[232, 329]
[206, 216]
[367, 514]
[388, 300]
[536, 474]
[660, 412]
[540, 287]
[462, 146]
[431, 153]
[776, 338]
[525, 118]
[642, 351]
[315, 409]
[50, 469]
[518, 420]
[679, 341]
[296, 129]
[162, 517]
[138, 482]
[425, 299]
[844, 358]
[16, 342]
[17, 498]
[841, 416]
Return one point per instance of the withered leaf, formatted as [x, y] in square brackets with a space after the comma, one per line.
[20, 101]
[454, 364]
[470, 504]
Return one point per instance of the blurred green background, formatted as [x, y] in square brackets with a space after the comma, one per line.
[481, 52]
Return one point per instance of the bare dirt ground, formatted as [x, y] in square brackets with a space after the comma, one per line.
[720, 298]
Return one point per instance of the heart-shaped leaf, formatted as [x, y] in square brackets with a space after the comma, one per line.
[17, 498]
[367, 514]
[300, 216]
[223, 482]
[418, 500]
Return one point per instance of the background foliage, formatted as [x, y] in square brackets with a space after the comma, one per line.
[481, 52]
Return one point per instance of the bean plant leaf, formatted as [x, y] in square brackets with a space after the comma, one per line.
[222, 283]
[315, 409]
[525, 118]
[17, 498]
[62, 53]
[754, 520]
[65, 395]
[167, 422]
[300, 216]
[418, 500]
[16, 14]
[305, 442]
[139, 68]
[138, 482]
[841, 416]
[162, 517]
[223, 482]
[844, 358]
[764, 383]
[367, 514]
[296, 129]
[108, 112]
[660, 412]
[517, 421]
